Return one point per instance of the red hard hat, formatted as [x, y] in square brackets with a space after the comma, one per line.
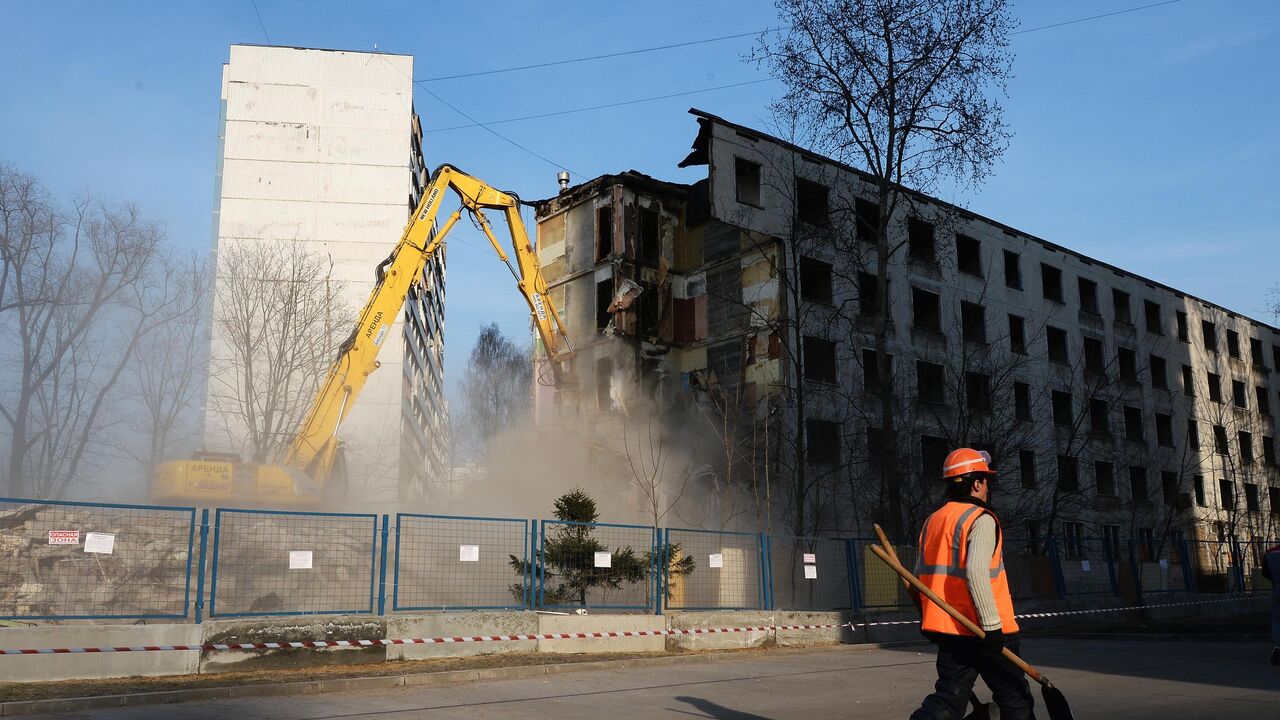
[963, 461]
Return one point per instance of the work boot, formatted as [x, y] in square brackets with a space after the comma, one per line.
[1275, 656]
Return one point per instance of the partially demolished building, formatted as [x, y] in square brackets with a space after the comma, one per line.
[1116, 407]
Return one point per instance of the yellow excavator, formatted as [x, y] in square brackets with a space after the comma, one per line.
[313, 468]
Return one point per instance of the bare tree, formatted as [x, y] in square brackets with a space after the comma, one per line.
[495, 388]
[169, 374]
[902, 88]
[278, 321]
[79, 291]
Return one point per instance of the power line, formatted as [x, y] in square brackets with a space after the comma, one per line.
[260, 23]
[601, 107]
[589, 58]
[1095, 17]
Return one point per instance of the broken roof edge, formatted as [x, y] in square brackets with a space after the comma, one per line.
[320, 49]
[700, 156]
[630, 178]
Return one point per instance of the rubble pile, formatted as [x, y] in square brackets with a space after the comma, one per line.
[145, 573]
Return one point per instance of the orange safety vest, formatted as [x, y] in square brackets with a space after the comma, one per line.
[944, 549]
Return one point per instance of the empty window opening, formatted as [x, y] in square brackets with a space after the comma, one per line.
[1120, 303]
[968, 255]
[1133, 424]
[822, 442]
[1164, 430]
[1220, 440]
[977, 388]
[747, 175]
[1159, 373]
[1233, 344]
[1169, 487]
[1099, 417]
[1062, 408]
[973, 322]
[1251, 497]
[927, 311]
[604, 232]
[604, 298]
[1153, 317]
[1127, 359]
[930, 382]
[1104, 478]
[1022, 402]
[1215, 387]
[1017, 335]
[815, 280]
[811, 202]
[920, 242]
[1012, 270]
[1138, 482]
[1227, 494]
[868, 295]
[868, 216]
[1238, 395]
[1094, 358]
[1183, 334]
[1193, 434]
[1245, 439]
[1068, 474]
[650, 236]
[819, 360]
[871, 379]
[1051, 282]
[1088, 296]
[1027, 468]
[1057, 340]
[1210, 333]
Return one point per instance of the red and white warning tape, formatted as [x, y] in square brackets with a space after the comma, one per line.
[537, 636]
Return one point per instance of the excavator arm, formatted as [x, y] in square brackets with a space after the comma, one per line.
[315, 447]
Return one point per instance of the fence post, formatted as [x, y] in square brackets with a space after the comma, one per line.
[1111, 566]
[1187, 582]
[531, 557]
[1135, 565]
[661, 567]
[851, 562]
[540, 567]
[766, 572]
[1055, 562]
[204, 544]
[1238, 557]
[382, 567]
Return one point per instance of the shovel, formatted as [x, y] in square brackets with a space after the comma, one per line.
[1054, 701]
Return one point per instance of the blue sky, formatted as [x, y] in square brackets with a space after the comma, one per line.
[1146, 139]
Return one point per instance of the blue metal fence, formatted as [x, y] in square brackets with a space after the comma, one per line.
[77, 560]
[725, 570]
[460, 563]
[292, 563]
[81, 560]
[596, 565]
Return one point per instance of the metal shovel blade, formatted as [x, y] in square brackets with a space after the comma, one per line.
[1055, 703]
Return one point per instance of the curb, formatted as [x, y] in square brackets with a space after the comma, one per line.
[378, 682]
[1158, 637]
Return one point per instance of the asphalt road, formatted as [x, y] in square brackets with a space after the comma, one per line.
[1102, 678]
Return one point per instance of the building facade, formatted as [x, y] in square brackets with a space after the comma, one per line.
[1117, 408]
[320, 152]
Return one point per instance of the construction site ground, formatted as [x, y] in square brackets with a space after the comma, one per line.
[1104, 678]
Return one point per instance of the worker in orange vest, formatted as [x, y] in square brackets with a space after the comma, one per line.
[962, 560]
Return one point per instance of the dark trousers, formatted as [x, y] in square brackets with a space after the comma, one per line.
[960, 661]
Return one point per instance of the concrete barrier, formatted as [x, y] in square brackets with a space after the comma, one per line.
[290, 629]
[461, 624]
[601, 623]
[720, 641]
[30, 668]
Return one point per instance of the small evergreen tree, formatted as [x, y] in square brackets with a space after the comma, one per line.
[567, 560]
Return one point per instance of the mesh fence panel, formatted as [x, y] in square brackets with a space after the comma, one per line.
[735, 584]
[809, 573]
[1089, 566]
[1029, 565]
[285, 563]
[448, 563]
[94, 560]
[595, 565]
[879, 585]
[1160, 567]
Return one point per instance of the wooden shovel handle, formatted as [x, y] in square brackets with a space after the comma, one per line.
[888, 548]
[969, 624]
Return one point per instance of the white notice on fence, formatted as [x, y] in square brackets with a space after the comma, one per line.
[1084, 565]
[604, 559]
[810, 558]
[715, 560]
[299, 559]
[64, 537]
[468, 553]
[810, 572]
[99, 543]
[1164, 563]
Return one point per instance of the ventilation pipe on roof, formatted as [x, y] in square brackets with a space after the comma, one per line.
[562, 177]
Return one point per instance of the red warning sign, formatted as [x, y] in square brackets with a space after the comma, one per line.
[64, 537]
